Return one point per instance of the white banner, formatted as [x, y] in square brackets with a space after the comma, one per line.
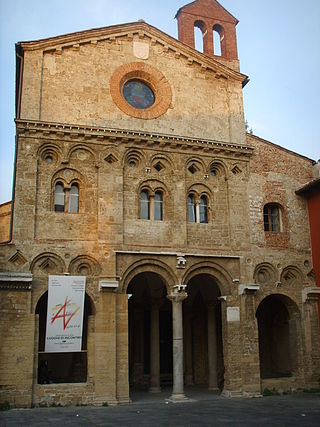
[65, 313]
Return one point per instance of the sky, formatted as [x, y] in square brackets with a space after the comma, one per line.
[278, 47]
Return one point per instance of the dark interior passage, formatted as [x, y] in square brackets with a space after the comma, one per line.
[203, 349]
[148, 292]
[277, 340]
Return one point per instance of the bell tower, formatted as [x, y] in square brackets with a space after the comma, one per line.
[217, 25]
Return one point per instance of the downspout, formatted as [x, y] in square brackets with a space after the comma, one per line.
[18, 105]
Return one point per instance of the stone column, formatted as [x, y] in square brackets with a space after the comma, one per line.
[154, 350]
[176, 298]
[212, 348]
[197, 211]
[138, 354]
[188, 350]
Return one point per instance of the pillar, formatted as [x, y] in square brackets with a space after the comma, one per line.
[176, 298]
[154, 350]
[138, 354]
[212, 348]
[188, 350]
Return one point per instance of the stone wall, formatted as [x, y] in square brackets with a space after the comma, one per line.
[204, 103]
[16, 352]
[5, 215]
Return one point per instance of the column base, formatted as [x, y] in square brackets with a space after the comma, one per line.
[214, 389]
[179, 397]
[155, 390]
[232, 393]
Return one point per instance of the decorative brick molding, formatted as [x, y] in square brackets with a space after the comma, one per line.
[16, 281]
[153, 78]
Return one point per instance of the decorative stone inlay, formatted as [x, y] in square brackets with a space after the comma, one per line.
[181, 261]
[233, 314]
[18, 259]
[149, 75]
[141, 50]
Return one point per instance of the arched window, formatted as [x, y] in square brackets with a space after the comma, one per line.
[73, 205]
[198, 36]
[59, 197]
[191, 208]
[198, 209]
[203, 209]
[66, 199]
[158, 204]
[144, 205]
[218, 36]
[272, 217]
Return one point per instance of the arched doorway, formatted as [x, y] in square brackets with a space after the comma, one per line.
[203, 351]
[150, 333]
[278, 336]
[62, 367]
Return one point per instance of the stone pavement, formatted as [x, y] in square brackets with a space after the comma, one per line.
[208, 410]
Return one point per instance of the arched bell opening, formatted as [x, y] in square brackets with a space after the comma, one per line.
[68, 367]
[150, 333]
[203, 350]
[199, 35]
[277, 317]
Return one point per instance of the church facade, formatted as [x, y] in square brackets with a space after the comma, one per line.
[134, 169]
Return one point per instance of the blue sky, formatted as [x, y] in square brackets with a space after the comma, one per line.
[278, 43]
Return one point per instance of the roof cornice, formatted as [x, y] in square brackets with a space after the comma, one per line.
[85, 133]
[130, 30]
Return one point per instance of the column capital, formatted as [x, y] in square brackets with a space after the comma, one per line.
[178, 294]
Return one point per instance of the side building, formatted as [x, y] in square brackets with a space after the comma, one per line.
[134, 170]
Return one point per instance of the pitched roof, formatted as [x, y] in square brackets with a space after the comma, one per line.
[310, 188]
[130, 29]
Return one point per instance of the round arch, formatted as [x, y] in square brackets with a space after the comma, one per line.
[148, 265]
[218, 273]
[291, 305]
[48, 263]
[82, 147]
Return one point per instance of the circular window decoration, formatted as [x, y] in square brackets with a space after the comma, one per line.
[138, 94]
[140, 90]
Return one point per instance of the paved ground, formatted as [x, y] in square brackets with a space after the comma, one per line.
[294, 410]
